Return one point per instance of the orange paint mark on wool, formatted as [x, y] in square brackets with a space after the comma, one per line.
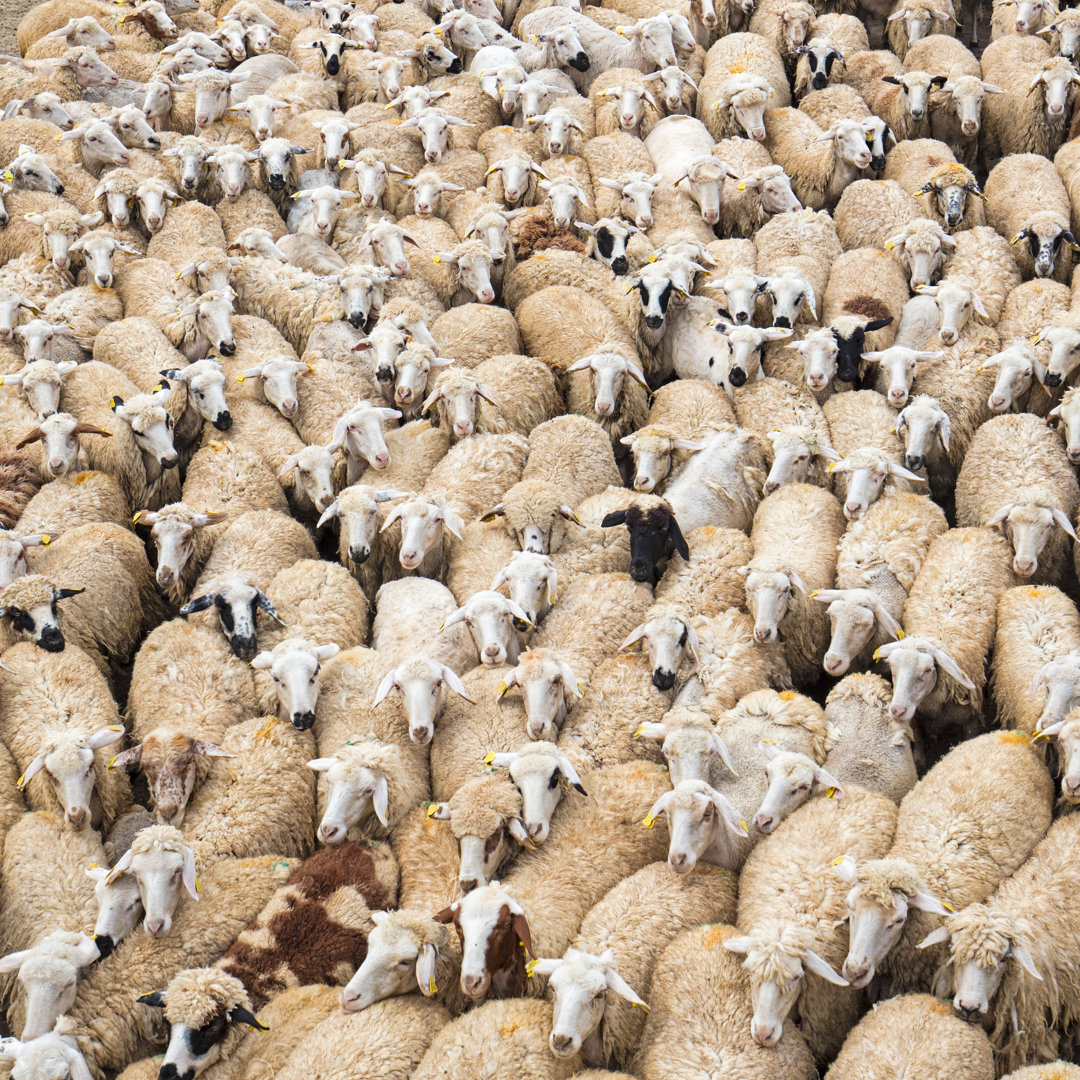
[1017, 737]
[83, 477]
[715, 936]
[736, 69]
[787, 695]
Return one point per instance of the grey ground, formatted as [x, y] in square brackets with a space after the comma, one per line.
[11, 11]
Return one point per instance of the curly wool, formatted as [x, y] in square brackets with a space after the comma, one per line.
[483, 805]
[880, 878]
[27, 592]
[788, 709]
[159, 838]
[774, 948]
[197, 995]
[369, 752]
[979, 935]
[870, 689]
[417, 925]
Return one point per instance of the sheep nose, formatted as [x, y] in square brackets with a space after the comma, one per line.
[948, 336]
[492, 652]
[381, 461]
[969, 127]
[852, 510]
[764, 1034]
[1072, 784]
[154, 927]
[764, 823]
[359, 555]
[968, 1012]
[1053, 378]
[535, 828]
[833, 663]
[915, 461]
[170, 461]
[422, 736]
[561, 1044]
[328, 834]
[78, 817]
[642, 483]
[466, 885]
[56, 465]
[303, 721]
[678, 862]
[898, 712]
[770, 487]
[473, 985]
[1024, 567]
[856, 971]
[763, 634]
[917, 114]
[288, 407]
[350, 1000]
[164, 575]
[1074, 454]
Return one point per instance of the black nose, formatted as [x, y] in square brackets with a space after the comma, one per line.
[59, 189]
[782, 320]
[356, 320]
[455, 68]
[737, 376]
[4, 219]
[170, 462]
[654, 322]
[580, 62]
[105, 945]
[303, 721]
[277, 182]
[223, 421]
[914, 461]
[877, 163]
[620, 265]
[663, 680]
[1053, 378]
[847, 372]
[154, 144]
[359, 555]
[953, 218]
[641, 571]
[168, 1072]
[187, 183]
[742, 316]
[244, 647]
[384, 374]
[820, 81]
[51, 640]
[227, 348]
[332, 66]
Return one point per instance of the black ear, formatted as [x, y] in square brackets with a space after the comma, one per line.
[240, 1015]
[877, 324]
[156, 1000]
[892, 79]
[936, 80]
[63, 594]
[200, 603]
[171, 373]
[681, 546]
[616, 517]
[115, 402]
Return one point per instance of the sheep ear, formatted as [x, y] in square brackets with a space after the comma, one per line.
[450, 677]
[263, 661]
[321, 764]
[651, 730]
[828, 781]
[720, 748]
[425, 970]
[156, 999]
[1025, 961]
[635, 636]
[105, 736]
[385, 687]
[1063, 521]
[769, 749]
[846, 869]
[191, 882]
[740, 945]
[618, 985]
[330, 512]
[240, 1015]
[380, 799]
[951, 667]
[729, 814]
[923, 901]
[493, 513]
[123, 864]
[817, 966]
[14, 961]
[940, 936]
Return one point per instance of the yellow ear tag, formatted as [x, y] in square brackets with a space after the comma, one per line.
[241, 378]
[112, 762]
[112, 401]
[489, 757]
[432, 988]
[877, 653]
[814, 593]
[651, 258]
[1015, 240]
[437, 260]
[771, 742]
[900, 635]
[837, 861]
[637, 734]
[830, 793]
[743, 824]
[21, 782]
[832, 465]
[1035, 340]
[530, 967]
[918, 194]
[501, 690]
[947, 906]
[199, 890]
[649, 821]
[431, 809]
[46, 539]
[888, 245]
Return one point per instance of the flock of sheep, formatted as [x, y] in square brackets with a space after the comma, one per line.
[537, 539]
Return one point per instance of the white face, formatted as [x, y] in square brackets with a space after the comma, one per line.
[160, 877]
[768, 595]
[853, 625]
[349, 801]
[388, 969]
[914, 676]
[295, 673]
[541, 793]
[71, 768]
[579, 993]
[791, 780]
[864, 487]
[873, 934]
[120, 910]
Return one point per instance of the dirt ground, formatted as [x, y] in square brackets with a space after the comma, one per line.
[11, 11]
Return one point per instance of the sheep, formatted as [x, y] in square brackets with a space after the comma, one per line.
[721, 483]
[67, 736]
[880, 554]
[233, 891]
[926, 167]
[984, 937]
[105, 565]
[611, 952]
[911, 20]
[1029, 18]
[785, 23]
[1035, 644]
[870, 212]
[863, 316]
[790, 959]
[896, 1034]
[1039, 486]
[922, 874]
[819, 173]
[744, 74]
[474, 1042]
[794, 251]
[780, 567]
[678, 1046]
[1031, 116]
[1045, 227]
